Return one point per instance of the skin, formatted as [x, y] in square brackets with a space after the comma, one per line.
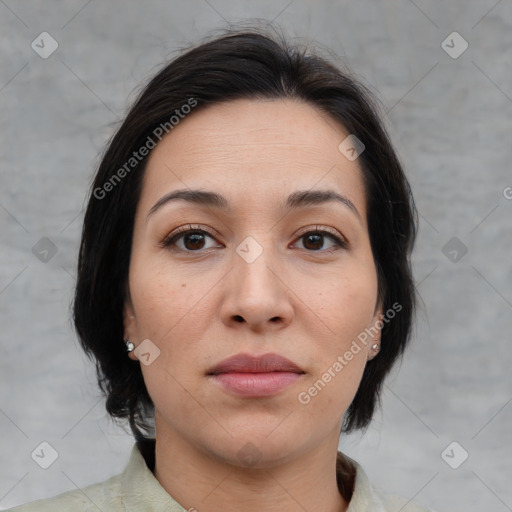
[202, 306]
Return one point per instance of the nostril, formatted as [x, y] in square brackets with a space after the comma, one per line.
[238, 318]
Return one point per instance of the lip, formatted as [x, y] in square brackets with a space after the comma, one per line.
[255, 376]
[246, 363]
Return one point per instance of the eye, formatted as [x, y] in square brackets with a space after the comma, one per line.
[314, 240]
[194, 239]
[189, 239]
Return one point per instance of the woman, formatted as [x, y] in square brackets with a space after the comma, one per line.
[244, 283]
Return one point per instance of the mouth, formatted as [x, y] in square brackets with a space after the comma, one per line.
[255, 376]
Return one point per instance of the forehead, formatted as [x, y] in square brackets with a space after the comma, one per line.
[253, 149]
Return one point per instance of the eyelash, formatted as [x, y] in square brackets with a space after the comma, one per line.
[171, 239]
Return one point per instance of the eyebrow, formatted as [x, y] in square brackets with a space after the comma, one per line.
[296, 200]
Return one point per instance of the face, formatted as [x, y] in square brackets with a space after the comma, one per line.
[271, 268]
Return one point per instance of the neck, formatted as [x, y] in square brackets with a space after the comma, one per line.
[200, 482]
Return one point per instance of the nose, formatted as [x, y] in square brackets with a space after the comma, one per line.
[257, 295]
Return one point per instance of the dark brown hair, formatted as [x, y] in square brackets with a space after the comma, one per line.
[242, 64]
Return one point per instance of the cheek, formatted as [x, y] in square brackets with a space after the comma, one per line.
[344, 308]
[160, 295]
[173, 395]
[173, 310]
[336, 371]
[345, 304]
[330, 388]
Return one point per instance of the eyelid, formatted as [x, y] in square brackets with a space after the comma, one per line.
[341, 239]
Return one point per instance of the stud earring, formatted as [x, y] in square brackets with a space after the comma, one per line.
[129, 345]
[375, 347]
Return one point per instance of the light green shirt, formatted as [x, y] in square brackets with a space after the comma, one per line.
[136, 489]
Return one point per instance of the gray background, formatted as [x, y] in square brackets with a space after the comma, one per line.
[450, 119]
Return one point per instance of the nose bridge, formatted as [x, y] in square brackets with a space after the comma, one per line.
[254, 262]
[255, 294]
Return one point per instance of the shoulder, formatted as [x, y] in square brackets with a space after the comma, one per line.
[366, 498]
[107, 493]
[135, 488]
[391, 503]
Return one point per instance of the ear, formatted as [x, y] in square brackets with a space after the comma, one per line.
[375, 333]
[130, 325]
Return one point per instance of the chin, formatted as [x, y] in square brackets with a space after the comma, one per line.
[260, 448]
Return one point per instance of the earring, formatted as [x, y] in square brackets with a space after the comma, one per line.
[375, 347]
[129, 345]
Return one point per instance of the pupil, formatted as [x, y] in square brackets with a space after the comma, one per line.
[196, 240]
[317, 239]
